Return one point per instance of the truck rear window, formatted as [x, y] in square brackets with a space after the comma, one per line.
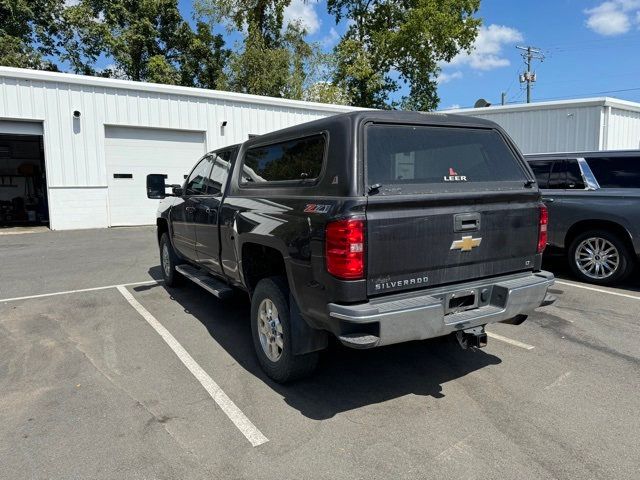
[417, 159]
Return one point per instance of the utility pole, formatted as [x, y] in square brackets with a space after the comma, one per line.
[529, 54]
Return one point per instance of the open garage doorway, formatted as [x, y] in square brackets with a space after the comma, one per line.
[23, 183]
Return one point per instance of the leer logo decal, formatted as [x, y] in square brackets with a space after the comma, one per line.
[465, 244]
[454, 176]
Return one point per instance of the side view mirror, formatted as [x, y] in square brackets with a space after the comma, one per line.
[156, 188]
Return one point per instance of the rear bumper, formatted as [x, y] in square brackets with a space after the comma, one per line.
[421, 315]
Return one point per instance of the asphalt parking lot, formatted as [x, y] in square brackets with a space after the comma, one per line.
[138, 381]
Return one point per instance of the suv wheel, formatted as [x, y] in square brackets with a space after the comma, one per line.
[271, 331]
[600, 257]
[168, 262]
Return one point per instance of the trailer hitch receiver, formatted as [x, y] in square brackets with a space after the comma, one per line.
[472, 337]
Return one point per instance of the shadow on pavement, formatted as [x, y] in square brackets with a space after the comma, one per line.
[346, 379]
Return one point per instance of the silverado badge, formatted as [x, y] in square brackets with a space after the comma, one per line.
[465, 244]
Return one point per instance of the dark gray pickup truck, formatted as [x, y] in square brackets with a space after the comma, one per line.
[594, 210]
[374, 227]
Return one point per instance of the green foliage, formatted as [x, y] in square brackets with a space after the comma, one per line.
[394, 42]
[29, 32]
[148, 40]
[275, 59]
[326, 92]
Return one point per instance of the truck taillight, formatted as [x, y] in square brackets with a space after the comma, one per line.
[542, 228]
[344, 249]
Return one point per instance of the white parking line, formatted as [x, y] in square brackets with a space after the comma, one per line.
[510, 341]
[601, 290]
[238, 418]
[66, 292]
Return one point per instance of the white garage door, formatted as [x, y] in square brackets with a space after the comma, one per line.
[132, 154]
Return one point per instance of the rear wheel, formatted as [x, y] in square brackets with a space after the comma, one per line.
[168, 262]
[600, 257]
[271, 331]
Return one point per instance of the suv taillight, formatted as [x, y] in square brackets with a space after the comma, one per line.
[344, 249]
[542, 228]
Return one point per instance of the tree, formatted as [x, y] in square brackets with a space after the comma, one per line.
[326, 92]
[273, 59]
[394, 42]
[204, 59]
[29, 32]
[147, 40]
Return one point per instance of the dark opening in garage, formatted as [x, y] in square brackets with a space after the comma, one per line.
[23, 185]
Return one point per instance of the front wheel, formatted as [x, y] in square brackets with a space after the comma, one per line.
[600, 257]
[168, 262]
[271, 331]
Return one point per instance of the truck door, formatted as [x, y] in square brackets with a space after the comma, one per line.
[183, 212]
[207, 212]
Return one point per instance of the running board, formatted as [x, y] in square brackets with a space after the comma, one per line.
[206, 281]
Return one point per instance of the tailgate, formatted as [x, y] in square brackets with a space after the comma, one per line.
[420, 243]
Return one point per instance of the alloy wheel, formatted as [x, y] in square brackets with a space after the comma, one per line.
[597, 258]
[270, 330]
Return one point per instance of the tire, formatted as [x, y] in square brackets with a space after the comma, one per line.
[600, 257]
[168, 262]
[271, 331]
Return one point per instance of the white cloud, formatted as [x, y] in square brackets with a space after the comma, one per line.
[613, 17]
[303, 12]
[71, 3]
[445, 77]
[487, 52]
[455, 106]
[331, 38]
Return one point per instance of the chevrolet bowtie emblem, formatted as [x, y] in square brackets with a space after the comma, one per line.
[465, 244]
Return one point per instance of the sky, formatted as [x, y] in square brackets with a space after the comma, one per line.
[591, 49]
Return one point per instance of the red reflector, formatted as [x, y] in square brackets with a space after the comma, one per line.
[542, 228]
[344, 249]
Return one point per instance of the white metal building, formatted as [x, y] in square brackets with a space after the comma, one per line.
[567, 125]
[86, 144]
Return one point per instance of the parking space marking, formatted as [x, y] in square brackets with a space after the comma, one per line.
[239, 419]
[510, 341]
[67, 292]
[601, 290]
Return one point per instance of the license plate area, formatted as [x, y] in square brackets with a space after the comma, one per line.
[460, 301]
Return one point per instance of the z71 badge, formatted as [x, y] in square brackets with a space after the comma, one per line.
[316, 208]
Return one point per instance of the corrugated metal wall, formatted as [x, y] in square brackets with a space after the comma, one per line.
[75, 148]
[624, 129]
[550, 130]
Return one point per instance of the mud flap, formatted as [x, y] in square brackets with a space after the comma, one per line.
[304, 339]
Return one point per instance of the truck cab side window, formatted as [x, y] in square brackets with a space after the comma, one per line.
[541, 170]
[219, 172]
[558, 175]
[197, 181]
[574, 175]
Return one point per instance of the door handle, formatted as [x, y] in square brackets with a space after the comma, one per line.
[190, 209]
[549, 200]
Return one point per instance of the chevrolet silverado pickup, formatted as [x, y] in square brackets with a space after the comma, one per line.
[594, 206]
[374, 227]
